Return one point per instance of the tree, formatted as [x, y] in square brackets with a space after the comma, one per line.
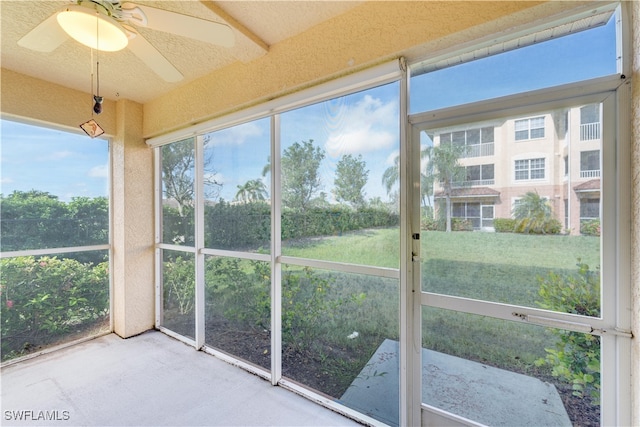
[251, 191]
[92, 218]
[391, 175]
[533, 214]
[444, 168]
[178, 171]
[351, 177]
[34, 220]
[267, 168]
[427, 176]
[300, 174]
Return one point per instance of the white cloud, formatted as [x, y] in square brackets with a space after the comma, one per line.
[6, 180]
[236, 135]
[391, 158]
[56, 155]
[100, 171]
[367, 125]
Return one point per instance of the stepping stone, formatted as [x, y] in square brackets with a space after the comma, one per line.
[472, 390]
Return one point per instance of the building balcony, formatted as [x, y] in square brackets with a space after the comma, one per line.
[590, 173]
[589, 131]
[480, 150]
[475, 183]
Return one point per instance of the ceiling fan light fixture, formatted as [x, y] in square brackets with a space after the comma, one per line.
[79, 22]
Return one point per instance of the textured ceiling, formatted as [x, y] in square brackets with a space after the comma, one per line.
[257, 25]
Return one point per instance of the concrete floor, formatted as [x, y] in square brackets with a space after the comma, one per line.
[148, 380]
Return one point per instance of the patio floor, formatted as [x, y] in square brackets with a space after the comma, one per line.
[148, 380]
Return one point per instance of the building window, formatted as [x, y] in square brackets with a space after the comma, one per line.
[590, 122]
[477, 142]
[478, 175]
[529, 128]
[589, 209]
[566, 165]
[480, 215]
[529, 169]
[590, 164]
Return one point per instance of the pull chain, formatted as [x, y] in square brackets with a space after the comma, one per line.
[91, 74]
[97, 107]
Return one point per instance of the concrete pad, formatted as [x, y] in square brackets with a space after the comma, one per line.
[469, 389]
[148, 380]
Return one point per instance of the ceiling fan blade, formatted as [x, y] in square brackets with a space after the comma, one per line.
[154, 59]
[187, 26]
[46, 37]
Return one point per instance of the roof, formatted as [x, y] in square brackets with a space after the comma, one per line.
[591, 185]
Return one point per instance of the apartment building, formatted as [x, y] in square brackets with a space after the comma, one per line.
[554, 153]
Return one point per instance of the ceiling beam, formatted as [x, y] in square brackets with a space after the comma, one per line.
[233, 22]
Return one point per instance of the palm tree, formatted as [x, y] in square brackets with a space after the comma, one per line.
[444, 168]
[251, 191]
[532, 213]
[267, 168]
[391, 175]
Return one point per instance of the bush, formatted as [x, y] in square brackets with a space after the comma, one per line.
[576, 356]
[590, 228]
[333, 220]
[240, 290]
[46, 298]
[529, 226]
[428, 224]
[179, 285]
[504, 225]
[461, 224]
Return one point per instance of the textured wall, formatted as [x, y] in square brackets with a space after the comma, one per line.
[133, 226]
[24, 96]
[375, 31]
[635, 213]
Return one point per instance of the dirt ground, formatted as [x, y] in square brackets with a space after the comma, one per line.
[313, 371]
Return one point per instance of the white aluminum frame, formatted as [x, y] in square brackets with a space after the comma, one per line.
[62, 250]
[377, 76]
[614, 324]
[615, 335]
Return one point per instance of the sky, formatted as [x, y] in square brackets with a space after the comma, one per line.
[366, 123]
[64, 164]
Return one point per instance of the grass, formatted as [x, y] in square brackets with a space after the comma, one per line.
[490, 266]
[375, 247]
[380, 248]
[545, 251]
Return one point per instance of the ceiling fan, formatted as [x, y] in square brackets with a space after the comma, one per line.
[97, 23]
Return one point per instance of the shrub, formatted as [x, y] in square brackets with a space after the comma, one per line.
[461, 224]
[179, 285]
[576, 356]
[428, 224]
[504, 225]
[307, 310]
[457, 224]
[590, 228]
[240, 289]
[530, 226]
[46, 298]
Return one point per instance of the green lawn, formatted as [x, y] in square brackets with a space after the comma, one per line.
[380, 247]
[490, 266]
